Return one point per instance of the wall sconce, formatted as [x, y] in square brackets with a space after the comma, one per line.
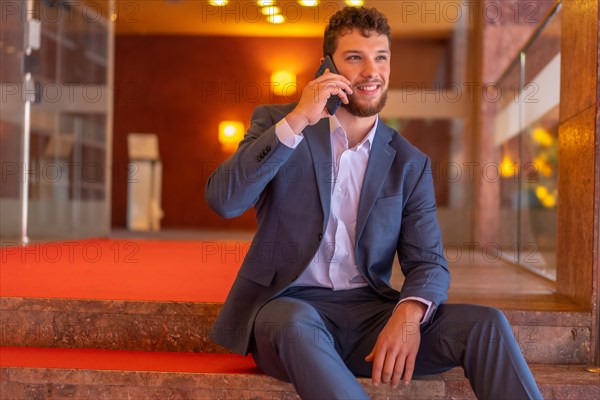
[230, 135]
[283, 83]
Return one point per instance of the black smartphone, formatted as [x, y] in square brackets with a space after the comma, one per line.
[334, 101]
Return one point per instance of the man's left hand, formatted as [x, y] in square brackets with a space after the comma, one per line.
[396, 348]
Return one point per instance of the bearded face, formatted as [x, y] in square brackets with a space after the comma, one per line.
[366, 107]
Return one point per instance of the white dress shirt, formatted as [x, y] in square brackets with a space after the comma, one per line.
[334, 264]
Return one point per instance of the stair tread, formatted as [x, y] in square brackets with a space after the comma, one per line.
[100, 359]
[214, 363]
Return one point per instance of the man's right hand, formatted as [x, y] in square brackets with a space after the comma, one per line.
[311, 107]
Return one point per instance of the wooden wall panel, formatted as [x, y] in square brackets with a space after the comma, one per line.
[181, 87]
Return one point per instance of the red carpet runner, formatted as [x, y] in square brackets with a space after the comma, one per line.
[104, 269]
[37, 357]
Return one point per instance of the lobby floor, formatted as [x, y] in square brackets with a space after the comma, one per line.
[475, 277]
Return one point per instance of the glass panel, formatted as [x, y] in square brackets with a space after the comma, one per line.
[508, 115]
[70, 126]
[540, 150]
[526, 129]
[12, 117]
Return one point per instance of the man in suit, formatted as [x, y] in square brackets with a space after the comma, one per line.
[336, 198]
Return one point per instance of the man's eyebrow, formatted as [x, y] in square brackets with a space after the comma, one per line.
[361, 52]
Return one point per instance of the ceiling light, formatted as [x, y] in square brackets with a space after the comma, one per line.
[308, 3]
[271, 10]
[275, 19]
[355, 3]
[218, 3]
[266, 3]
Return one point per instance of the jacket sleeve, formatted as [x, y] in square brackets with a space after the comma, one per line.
[237, 183]
[420, 248]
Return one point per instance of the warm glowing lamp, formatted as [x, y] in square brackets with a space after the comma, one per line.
[270, 10]
[547, 199]
[542, 136]
[283, 83]
[308, 3]
[218, 3]
[230, 134]
[508, 168]
[276, 19]
[265, 3]
[355, 3]
[542, 166]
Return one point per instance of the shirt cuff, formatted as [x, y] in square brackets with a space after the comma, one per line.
[286, 135]
[428, 312]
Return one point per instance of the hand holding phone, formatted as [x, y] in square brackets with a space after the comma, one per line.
[310, 108]
[334, 101]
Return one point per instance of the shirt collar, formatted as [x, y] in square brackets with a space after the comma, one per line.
[334, 124]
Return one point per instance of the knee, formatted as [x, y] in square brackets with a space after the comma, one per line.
[286, 319]
[491, 323]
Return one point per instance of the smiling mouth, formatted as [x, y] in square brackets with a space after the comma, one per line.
[368, 88]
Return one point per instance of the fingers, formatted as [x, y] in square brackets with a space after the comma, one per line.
[409, 369]
[390, 367]
[312, 104]
[378, 362]
[397, 369]
[334, 84]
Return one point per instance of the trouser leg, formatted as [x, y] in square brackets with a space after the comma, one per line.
[292, 343]
[477, 338]
[480, 340]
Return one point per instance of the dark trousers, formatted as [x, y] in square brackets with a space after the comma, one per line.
[317, 339]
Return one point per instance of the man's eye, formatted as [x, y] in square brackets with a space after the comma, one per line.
[383, 58]
[353, 58]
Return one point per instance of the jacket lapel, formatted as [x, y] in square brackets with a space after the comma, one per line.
[319, 143]
[380, 160]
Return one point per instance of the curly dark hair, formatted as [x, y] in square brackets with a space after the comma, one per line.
[368, 20]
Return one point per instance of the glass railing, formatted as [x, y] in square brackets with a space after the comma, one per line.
[526, 133]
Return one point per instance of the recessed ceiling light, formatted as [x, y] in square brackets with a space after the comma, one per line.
[270, 10]
[265, 3]
[308, 3]
[218, 3]
[275, 19]
[355, 3]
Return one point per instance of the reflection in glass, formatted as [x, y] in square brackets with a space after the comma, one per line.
[527, 136]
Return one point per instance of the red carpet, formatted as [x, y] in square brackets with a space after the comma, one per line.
[36, 357]
[152, 270]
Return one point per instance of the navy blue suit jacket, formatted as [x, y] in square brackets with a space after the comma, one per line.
[291, 190]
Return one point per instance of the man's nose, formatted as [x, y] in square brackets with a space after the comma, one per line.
[369, 70]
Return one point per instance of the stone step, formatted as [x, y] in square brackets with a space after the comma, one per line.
[545, 337]
[43, 373]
